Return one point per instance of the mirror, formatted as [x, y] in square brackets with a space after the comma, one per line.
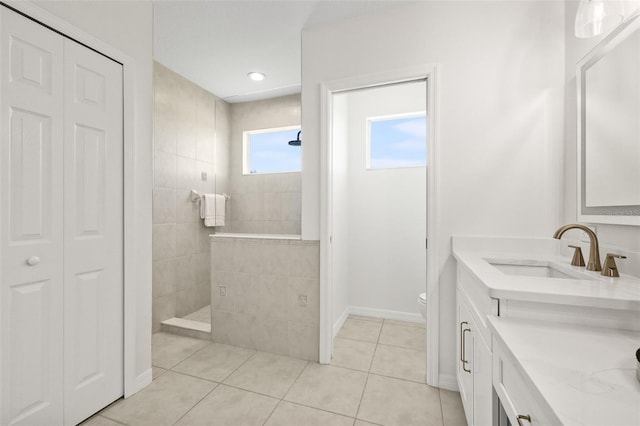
[609, 129]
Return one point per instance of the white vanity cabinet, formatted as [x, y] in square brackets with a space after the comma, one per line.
[517, 404]
[499, 310]
[474, 353]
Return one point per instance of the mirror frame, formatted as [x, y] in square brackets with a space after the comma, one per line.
[619, 215]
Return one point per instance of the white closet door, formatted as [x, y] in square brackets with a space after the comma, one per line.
[93, 235]
[31, 289]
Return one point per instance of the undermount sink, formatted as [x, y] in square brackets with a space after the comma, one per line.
[535, 268]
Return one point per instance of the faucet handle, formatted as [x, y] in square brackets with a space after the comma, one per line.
[609, 267]
[577, 260]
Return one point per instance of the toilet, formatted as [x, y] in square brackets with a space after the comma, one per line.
[422, 305]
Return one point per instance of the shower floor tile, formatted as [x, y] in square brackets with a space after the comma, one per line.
[201, 315]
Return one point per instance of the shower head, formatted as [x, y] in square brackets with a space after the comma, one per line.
[296, 142]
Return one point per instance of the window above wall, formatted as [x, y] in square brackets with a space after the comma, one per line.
[268, 151]
[397, 141]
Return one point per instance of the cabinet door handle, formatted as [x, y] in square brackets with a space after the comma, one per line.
[523, 417]
[462, 324]
[464, 361]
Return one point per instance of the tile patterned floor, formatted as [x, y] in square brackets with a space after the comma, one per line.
[376, 378]
[201, 315]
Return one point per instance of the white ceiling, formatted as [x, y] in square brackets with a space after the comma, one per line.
[216, 43]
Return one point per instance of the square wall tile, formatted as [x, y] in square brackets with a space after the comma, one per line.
[248, 226]
[185, 302]
[164, 241]
[164, 131]
[185, 274]
[272, 206]
[205, 140]
[223, 255]
[275, 258]
[236, 329]
[186, 175]
[187, 211]
[164, 205]
[291, 206]
[304, 341]
[163, 308]
[222, 326]
[274, 337]
[205, 186]
[224, 292]
[273, 298]
[186, 242]
[164, 277]
[247, 291]
[304, 300]
[247, 257]
[204, 238]
[202, 268]
[304, 260]
[164, 170]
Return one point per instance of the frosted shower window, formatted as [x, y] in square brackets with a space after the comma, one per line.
[269, 151]
[397, 141]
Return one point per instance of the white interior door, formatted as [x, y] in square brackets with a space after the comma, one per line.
[61, 227]
[93, 232]
[31, 247]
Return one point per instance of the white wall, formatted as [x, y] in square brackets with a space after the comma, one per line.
[384, 209]
[340, 226]
[623, 237]
[127, 26]
[500, 108]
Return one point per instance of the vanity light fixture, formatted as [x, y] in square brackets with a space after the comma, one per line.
[256, 76]
[595, 17]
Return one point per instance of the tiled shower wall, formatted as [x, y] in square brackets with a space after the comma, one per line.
[263, 203]
[266, 295]
[190, 137]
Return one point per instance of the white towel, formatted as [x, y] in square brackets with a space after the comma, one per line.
[212, 207]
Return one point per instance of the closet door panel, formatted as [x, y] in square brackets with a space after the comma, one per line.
[93, 265]
[31, 240]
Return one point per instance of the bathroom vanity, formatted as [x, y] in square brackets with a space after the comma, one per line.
[541, 342]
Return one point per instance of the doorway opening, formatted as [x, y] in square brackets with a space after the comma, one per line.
[378, 210]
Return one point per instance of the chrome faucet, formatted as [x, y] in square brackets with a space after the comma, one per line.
[594, 249]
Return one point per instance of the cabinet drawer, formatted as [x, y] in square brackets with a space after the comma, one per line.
[520, 405]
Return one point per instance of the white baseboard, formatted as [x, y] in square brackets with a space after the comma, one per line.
[375, 313]
[448, 382]
[338, 324]
[386, 314]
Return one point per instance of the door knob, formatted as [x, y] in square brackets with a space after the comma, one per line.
[33, 260]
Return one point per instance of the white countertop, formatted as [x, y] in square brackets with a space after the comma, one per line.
[602, 292]
[586, 375]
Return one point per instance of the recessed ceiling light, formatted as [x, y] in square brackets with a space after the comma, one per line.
[256, 76]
